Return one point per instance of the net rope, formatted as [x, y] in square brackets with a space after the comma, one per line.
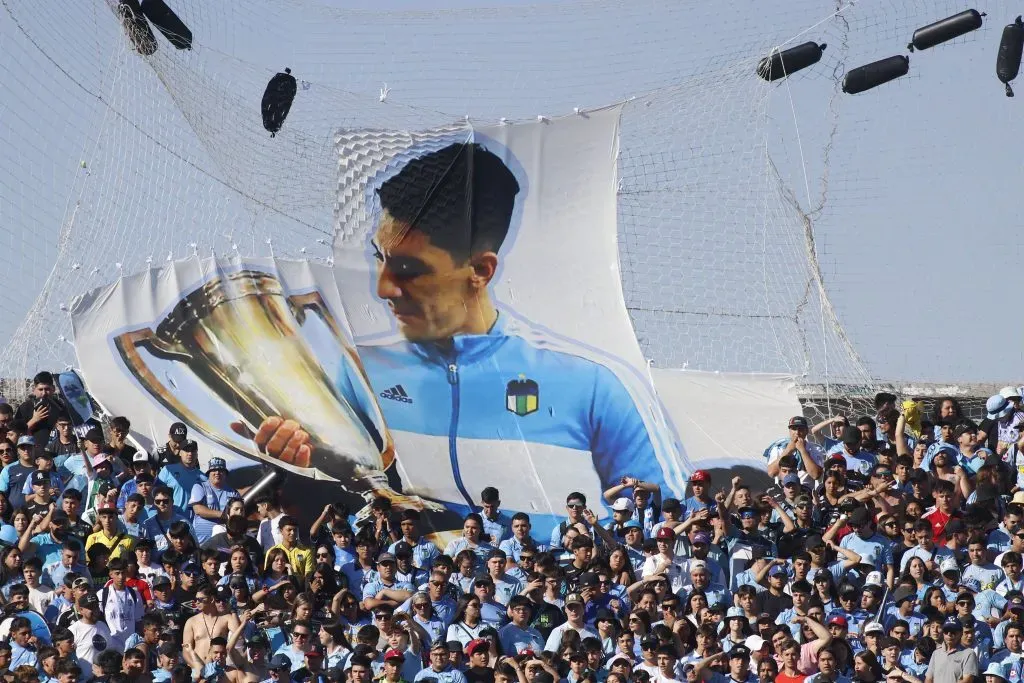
[118, 162]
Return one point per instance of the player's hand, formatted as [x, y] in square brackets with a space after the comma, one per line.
[282, 439]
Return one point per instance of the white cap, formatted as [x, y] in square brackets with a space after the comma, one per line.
[754, 643]
[873, 579]
[948, 565]
[623, 505]
[1010, 392]
[873, 627]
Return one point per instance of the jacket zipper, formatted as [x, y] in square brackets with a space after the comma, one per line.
[453, 432]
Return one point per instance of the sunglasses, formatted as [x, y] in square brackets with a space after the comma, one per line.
[161, 501]
[300, 635]
[6, 450]
[908, 530]
[574, 506]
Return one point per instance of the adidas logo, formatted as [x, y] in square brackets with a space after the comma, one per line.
[396, 393]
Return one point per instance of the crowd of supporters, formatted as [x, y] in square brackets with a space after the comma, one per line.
[888, 548]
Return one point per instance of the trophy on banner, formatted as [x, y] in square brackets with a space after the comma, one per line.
[239, 335]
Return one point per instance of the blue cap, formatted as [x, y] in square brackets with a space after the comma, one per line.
[8, 535]
[735, 613]
[26, 441]
[632, 524]
[972, 585]
[952, 624]
[998, 407]
[776, 570]
[790, 478]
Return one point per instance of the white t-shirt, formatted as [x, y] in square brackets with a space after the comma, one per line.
[269, 533]
[90, 641]
[123, 609]
[40, 598]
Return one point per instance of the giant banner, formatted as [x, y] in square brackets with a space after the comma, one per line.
[472, 333]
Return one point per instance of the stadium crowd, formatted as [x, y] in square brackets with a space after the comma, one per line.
[886, 548]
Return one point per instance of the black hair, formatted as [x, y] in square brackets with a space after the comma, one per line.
[460, 196]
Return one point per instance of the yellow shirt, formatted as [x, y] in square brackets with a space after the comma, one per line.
[299, 557]
[118, 544]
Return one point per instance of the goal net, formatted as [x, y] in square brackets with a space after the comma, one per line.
[115, 162]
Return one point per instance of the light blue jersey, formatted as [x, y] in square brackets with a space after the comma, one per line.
[522, 408]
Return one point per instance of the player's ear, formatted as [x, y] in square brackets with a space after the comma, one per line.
[484, 265]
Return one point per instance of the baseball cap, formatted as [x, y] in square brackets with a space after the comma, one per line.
[386, 557]
[95, 435]
[873, 579]
[403, 549]
[838, 620]
[754, 643]
[798, 421]
[106, 507]
[179, 432]
[632, 524]
[40, 478]
[851, 436]
[735, 613]
[161, 580]
[665, 533]
[89, 600]
[790, 478]
[701, 537]
[952, 624]
[948, 565]
[217, 464]
[394, 654]
[100, 459]
[739, 652]
[902, 593]
[778, 570]
[873, 627]
[280, 662]
[140, 456]
[700, 476]
[623, 505]
[573, 599]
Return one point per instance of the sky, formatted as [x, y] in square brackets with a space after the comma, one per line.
[917, 236]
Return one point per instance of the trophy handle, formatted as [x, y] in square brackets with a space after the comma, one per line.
[128, 345]
[314, 301]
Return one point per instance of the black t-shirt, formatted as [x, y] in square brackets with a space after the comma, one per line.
[483, 674]
[546, 617]
[37, 509]
[773, 604]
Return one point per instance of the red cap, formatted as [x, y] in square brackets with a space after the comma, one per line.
[477, 644]
[700, 475]
[838, 619]
[107, 505]
[665, 533]
[394, 654]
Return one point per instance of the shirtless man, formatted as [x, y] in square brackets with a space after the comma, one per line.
[212, 621]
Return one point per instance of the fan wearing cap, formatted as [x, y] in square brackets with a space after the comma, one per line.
[13, 476]
[440, 668]
[170, 452]
[952, 662]
[700, 486]
[905, 600]
[42, 485]
[574, 613]
[385, 590]
[181, 477]
[394, 660]
[108, 536]
[664, 561]
[808, 455]
[858, 461]
[644, 503]
[92, 635]
[209, 498]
